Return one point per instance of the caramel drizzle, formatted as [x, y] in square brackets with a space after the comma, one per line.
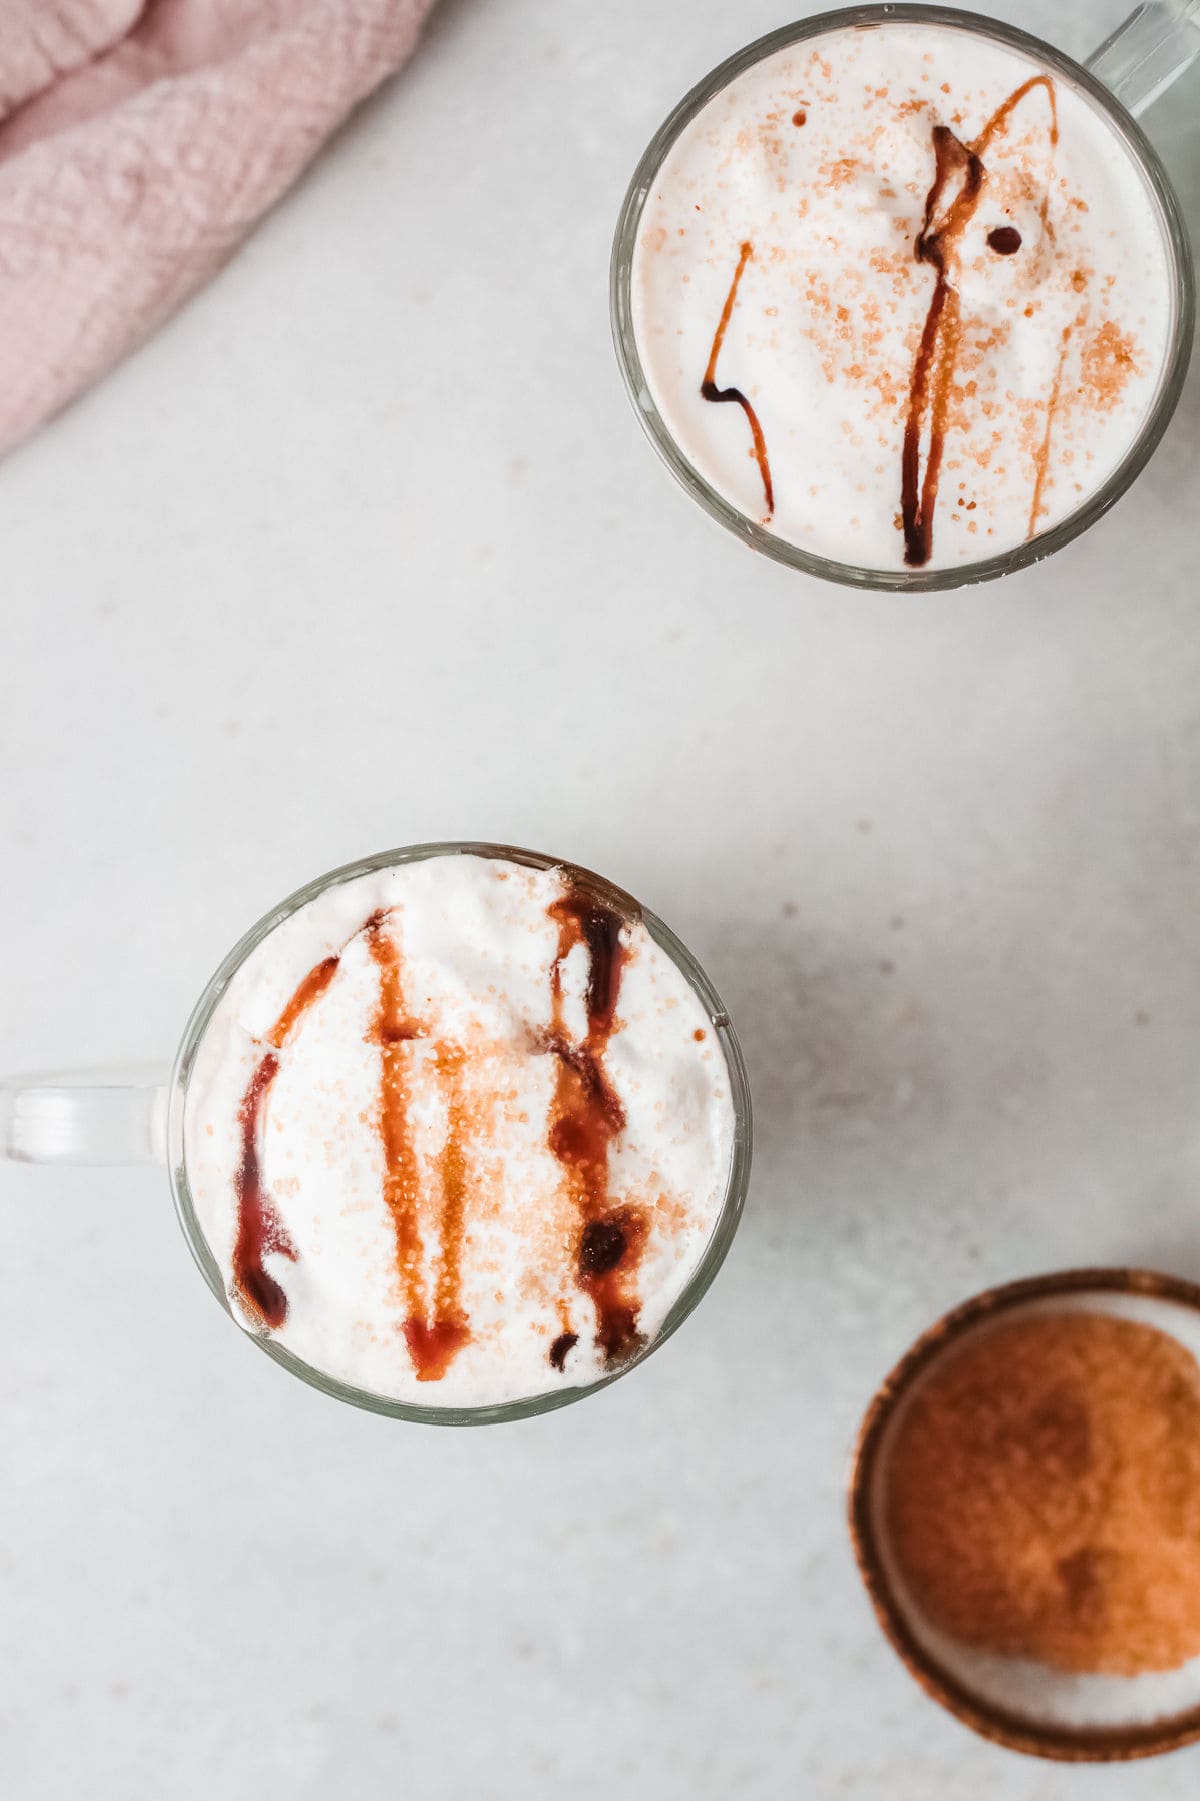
[1003, 113]
[260, 1231]
[948, 212]
[586, 1116]
[433, 1346]
[434, 1335]
[1042, 460]
[311, 989]
[710, 390]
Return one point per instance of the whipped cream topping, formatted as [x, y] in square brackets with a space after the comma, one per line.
[458, 1133]
[931, 275]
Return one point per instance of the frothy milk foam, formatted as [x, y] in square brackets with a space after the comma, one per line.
[930, 278]
[458, 1133]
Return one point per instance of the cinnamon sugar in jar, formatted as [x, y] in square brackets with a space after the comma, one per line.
[1042, 1494]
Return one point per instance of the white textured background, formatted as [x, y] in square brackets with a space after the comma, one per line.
[365, 549]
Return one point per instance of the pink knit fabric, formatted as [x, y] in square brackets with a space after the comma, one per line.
[140, 140]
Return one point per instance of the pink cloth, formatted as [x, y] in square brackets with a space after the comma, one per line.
[140, 140]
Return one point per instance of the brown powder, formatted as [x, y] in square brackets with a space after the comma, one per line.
[1042, 1497]
[1107, 360]
[839, 173]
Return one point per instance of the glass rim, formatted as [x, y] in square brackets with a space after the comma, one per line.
[736, 1184]
[1171, 377]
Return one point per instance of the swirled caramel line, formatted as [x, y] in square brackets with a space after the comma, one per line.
[434, 1334]
[260, 1230]
[586, 1116]
[959, 177]
[710, 390]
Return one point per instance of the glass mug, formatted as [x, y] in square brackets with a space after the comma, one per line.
[1137, 64]
[135, 1117]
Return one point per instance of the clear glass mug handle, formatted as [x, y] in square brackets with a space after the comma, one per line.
[1158, 42]
[89, 1116]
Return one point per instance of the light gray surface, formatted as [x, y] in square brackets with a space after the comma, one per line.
[366, 549]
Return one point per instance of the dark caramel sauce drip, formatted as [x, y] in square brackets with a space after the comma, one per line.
[933, 371]
[1005, 240]
[605, 1274]
[434, 1335]
[711, 391]
[585, 1117]
[602, 1246]
[259, 1228]
[260, 1231]
[959, 177]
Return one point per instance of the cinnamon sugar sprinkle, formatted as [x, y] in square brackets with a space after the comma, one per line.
[1107, 360]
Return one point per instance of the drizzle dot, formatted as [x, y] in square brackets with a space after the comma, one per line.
[602, 1247]
[1005, 240]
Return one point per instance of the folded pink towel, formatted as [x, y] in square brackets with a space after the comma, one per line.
[140, 140]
